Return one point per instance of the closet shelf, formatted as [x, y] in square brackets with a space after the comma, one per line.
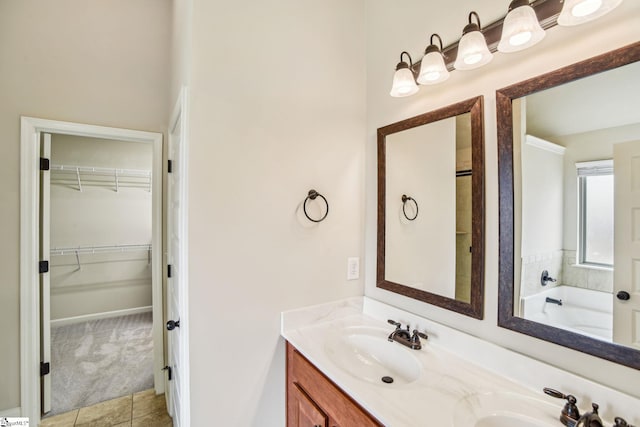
[89, 175]
[99, 249]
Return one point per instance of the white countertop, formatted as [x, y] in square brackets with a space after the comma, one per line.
[459, 374]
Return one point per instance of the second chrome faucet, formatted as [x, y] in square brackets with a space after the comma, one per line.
[405, 337]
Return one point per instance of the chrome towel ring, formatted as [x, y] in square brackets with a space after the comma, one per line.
[406, 199]
[312, 195]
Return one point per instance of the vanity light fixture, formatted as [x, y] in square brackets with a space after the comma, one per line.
[432, 68]
[521, 28]
[404, 83]
[576, 12]
[472, 48]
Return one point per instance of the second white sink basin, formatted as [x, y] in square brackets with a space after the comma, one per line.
[366, 354]
[505, 410]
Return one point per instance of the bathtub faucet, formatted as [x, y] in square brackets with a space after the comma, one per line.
[545, 278]
[553, 301]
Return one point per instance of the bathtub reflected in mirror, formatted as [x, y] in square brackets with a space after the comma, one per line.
[569, 170]
[576, 309]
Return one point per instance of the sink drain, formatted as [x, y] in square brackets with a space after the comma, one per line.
[387, 380]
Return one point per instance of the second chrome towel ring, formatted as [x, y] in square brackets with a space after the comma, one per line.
[312, 195]
[406, 199]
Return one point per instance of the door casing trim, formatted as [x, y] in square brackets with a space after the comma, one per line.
[30, 129]
[180, 116]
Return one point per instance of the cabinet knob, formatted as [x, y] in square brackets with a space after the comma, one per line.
[623, 296]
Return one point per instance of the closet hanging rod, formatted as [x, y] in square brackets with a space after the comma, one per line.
[101, 171]
[129, 177]
[99, 249]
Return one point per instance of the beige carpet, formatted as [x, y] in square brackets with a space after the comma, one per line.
[100, 360]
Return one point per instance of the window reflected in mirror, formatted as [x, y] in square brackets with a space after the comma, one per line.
[595, 213]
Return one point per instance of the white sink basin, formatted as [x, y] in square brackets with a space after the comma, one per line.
[505, 410]
[366, 354]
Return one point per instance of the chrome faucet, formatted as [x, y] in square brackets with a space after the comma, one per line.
[405, 337]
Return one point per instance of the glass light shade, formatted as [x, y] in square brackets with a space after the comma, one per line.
[432, 69]
[576, 12]
[520, 30]
[404, 83]
[472, 51]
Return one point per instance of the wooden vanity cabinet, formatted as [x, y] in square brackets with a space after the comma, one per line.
[314, 401]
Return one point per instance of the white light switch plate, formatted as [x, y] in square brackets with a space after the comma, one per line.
[353, 268]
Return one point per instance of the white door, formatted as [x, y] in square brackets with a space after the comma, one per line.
[178, 396]
[45, 277]
[626, 279]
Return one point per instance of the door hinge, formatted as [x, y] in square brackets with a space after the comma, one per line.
[169, 372]
[43, 267]
[169, 270]
[169, 166]
[45, 368]
[44, 164]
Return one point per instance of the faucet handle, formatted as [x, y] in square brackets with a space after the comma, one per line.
[620, 422]
[394, 323]
[545, 278]
[419, 334]
[570, 410]
[591, 419]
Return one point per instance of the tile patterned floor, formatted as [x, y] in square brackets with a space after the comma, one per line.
[143, 409]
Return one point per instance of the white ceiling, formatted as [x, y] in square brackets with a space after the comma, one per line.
[602, 101]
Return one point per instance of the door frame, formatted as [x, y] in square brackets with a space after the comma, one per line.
[30, 130]
[180, 116]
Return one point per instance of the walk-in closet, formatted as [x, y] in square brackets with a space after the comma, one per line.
[100, 232]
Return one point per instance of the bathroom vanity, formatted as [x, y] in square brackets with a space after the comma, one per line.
[343, 371]
[313, 400]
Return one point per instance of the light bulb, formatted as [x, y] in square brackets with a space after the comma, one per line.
[576, 12]
[404, 84]
[520, 29]
[432, 68]
[586, 8]
[520, 38]
[472, 48]
[473, 58]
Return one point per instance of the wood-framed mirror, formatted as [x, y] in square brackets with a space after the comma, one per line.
[431, 207]
[569, 184]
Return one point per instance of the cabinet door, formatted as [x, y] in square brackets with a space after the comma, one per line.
[337, 408]
[304, 412]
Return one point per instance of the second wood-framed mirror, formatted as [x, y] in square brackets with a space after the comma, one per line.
[569, 177]
[431, 207]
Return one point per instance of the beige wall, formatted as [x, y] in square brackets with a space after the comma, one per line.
[100, 62]
[278, 107]
[393, 27]
[99, 216]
